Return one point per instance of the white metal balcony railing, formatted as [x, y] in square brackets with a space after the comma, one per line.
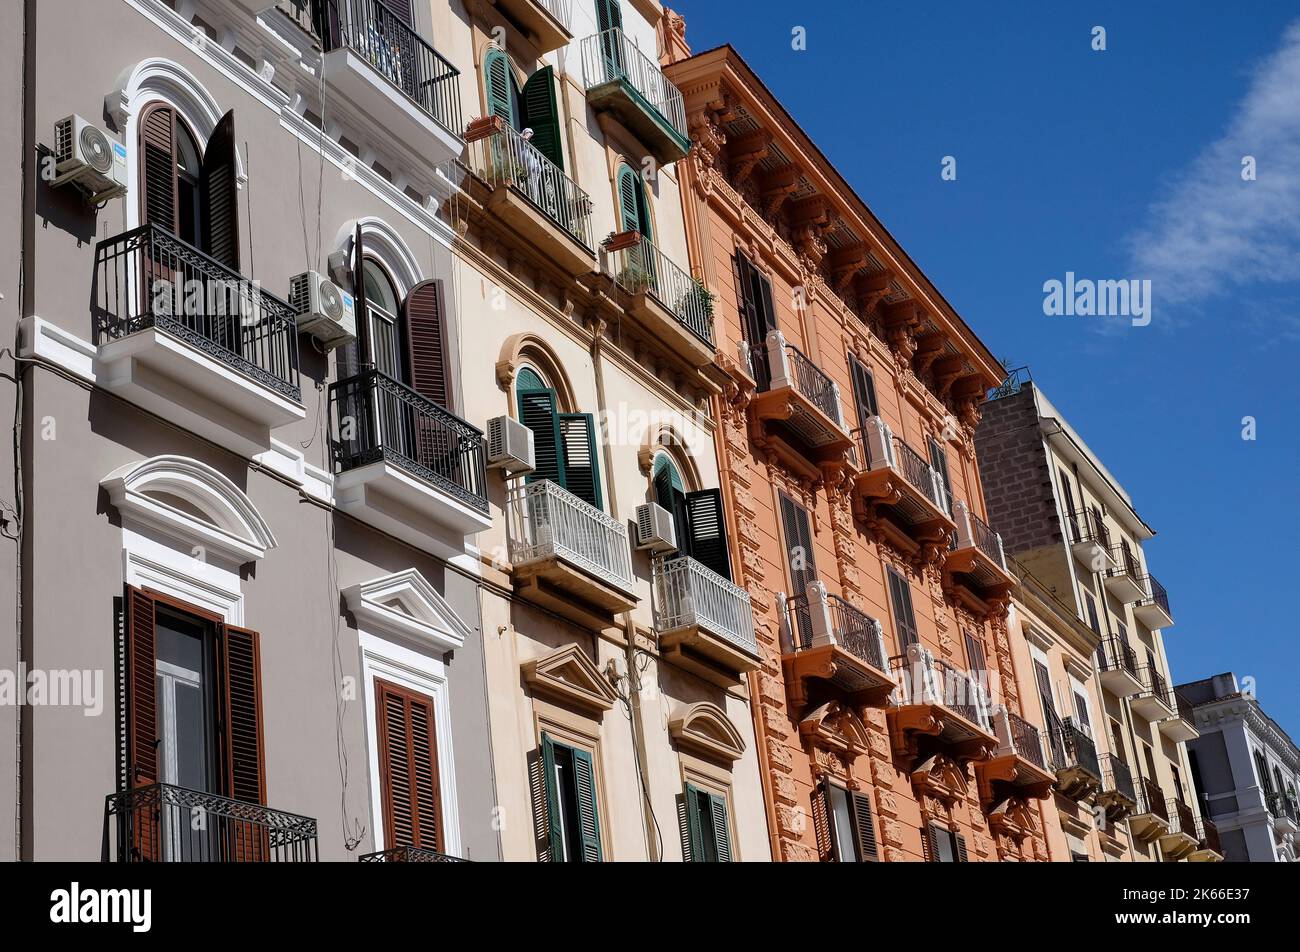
[924, 679]
[688, 593]
[641, 266]
[558, 9]
[547, 521]
[882, 450]
[611, 56]
[507, 158]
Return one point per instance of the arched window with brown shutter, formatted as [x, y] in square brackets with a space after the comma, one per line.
[158, 166]
[426, 336]
[220, 194]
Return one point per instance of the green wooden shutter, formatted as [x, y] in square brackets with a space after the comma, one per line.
[609, 15]
[708, 531]
[542, 114]
[721, 834]
[670, 494]
[555, 844]
[581, 456]
[585, 774]
[693, 848]
[864, 828]
[537, 412]
[629, 200]
[220, 194]
[499, 81]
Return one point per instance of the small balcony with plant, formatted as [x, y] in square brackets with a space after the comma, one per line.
[831, 650]
[624, 82]
[531, 194]
[669, 304]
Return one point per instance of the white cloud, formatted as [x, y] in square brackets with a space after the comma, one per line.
[1211, 232]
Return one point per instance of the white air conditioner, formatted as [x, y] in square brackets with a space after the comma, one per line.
[85, 156]
[510, 446]
[655, 529]
[324, 310]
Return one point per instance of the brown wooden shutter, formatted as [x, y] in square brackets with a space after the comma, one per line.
[408, 767]
[961, 848]
[221, 194]
[158, 168]
[427, 342]
[141, 704]
[864, 827]
[244, 754]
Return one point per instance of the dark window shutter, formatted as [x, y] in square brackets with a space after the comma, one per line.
[427, 342]
[934, 843]
[688, 820]
[500, 84]
[670, 495]
[408, 764]
[961, 848]
[585, 774]
[141, 686]
[546, 803]
[402, 9]
[763, 299]
[745, 298]
[799, 544]
[158, 148]
[975, 655]
[708, 531]
[542, 114]
[630, 200]
[864, 391]
[221, 194]
[1067, 500]
[244, 750]
[537, 412]
[581, 456]
[609, 16]
[721, 832]
[939, 460]
[900, 594]
[864, 827]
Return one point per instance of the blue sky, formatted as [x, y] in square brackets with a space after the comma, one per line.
[1117, 164]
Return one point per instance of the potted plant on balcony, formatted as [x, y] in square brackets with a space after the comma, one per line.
[634, 279]
[698, 300]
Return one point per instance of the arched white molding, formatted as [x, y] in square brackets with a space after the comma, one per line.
[705, 729]
[154, 80]
[191, 503]
[404, 605]
[383, 242]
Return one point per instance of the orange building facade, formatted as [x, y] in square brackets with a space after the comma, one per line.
[847, 458]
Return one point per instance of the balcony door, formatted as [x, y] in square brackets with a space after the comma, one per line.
[757, 316]
[697, 517]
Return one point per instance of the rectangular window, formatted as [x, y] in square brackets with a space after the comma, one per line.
[939, 461]
[851, 824]
[408, 768]
[946, 846]
[1091, 603]
[757, 315]
[900, 596]
[1067, 502]
[572, 821]
[864, 390]
[798, 544]
[706, 827]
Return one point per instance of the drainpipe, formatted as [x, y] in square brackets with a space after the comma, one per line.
[637, 720]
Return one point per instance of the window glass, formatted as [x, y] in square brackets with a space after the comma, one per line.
[842, 821]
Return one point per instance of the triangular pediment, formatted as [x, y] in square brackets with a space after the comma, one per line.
[570, 677]
[706, 729]
[405, 605]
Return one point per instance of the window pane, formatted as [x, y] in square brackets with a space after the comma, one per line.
[944, 846]
[846, 851]
[191, 770]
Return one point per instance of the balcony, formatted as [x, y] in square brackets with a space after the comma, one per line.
[1182, 838]
[409, 854]
[1152, 608]
[193, 341]
[796, 406]
[1074, 758]
[1126, 580]
[1182, 726]
[155, 824]
[1118, 796]
[532, 195]
[1209, 849]
[1090, 540]
[830, 648]
[665, 301]
[941, 703]
[975, 554]
[392, 76]
[1153, 702]
[1118, 667]
[1019, 765]
[1150, 818]
[628, 85]
[704, 621]
[1283, 810]
[897, 489]
[569, 556]
[546, 23]
[404, 464]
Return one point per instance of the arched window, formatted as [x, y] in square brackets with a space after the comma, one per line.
[697, 516]
[187, 191]
[502, 90]
[565, 448]
[382, 314]
[634, 211]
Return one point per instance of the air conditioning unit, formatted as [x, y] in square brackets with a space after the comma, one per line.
[324, 310]
[655, 529]
[85, 156]
[510, 446]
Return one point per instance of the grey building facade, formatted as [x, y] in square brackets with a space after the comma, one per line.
[1246, 769]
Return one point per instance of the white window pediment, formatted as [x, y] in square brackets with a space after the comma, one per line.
[404, 605]
[191, 503]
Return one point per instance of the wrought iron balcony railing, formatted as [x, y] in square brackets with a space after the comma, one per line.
[1282, 807]
[397, 52]
[1118, 778]
[1072, 746]
[972, 531]
[547, 521]
[688, 593]
[163, 823]
[374, 417]
[1151, 799]
[919, 473]
[1115, 655]
[1208, 834]
[409, 854]
[1156, 595]
[1027, 740]
[148, 278]
[1155, 684]
[1183, 706]
[1086, 525]
[925, 679]
[852, 629]
[611, 56]
[640, 266]
[1182, 818]
[506, 158]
